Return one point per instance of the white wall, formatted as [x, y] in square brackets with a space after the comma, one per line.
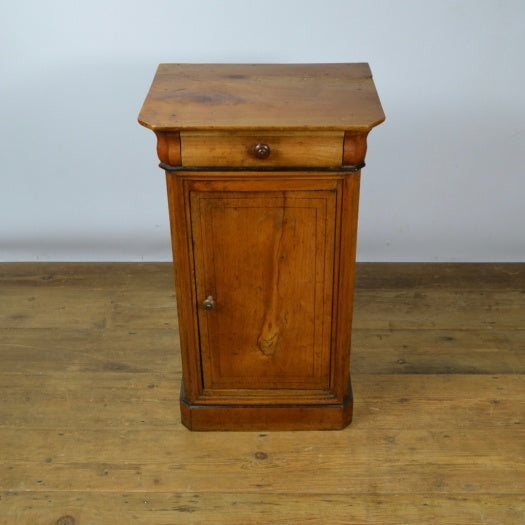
[445, 175]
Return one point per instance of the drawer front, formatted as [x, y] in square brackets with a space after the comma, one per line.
[260, 149]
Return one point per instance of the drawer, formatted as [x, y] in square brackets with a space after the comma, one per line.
[262, 149]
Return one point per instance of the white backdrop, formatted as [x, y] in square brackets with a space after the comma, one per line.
[445, 174]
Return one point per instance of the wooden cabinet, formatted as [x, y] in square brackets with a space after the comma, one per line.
[262, 166]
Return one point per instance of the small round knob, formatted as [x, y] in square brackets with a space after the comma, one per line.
[209, 303]
[261, 150]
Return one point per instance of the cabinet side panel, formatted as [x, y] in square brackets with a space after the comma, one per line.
[185, 293]
[343, 309]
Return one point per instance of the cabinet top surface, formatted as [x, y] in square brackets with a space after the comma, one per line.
[262, 96]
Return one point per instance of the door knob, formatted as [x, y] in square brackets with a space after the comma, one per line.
[209, 303]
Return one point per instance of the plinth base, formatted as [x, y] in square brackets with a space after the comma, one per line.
[266, 417]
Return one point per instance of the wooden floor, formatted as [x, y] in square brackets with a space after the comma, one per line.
[89, 423]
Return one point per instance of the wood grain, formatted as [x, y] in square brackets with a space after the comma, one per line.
[168, 147]
[262, 96]
[312, 149]
[90, 430]
[285, 254]
[268, 328]
[160, 508]
[264, 281]
[354, 147]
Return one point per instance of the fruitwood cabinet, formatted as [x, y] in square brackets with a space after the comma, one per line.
[262, 166]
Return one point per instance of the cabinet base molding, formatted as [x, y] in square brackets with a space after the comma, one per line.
[266, 417]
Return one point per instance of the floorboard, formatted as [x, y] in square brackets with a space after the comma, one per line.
[90, 430]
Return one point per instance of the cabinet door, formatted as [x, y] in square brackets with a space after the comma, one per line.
[265, 261]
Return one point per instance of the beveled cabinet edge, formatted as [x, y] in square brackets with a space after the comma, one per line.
[354, 147]
[168, 148]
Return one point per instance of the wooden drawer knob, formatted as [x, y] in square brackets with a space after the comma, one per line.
[261, 150]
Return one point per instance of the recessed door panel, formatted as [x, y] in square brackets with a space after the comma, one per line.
[264, 264]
